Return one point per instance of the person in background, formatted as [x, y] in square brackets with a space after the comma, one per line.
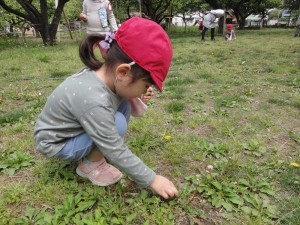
[79, 122]
[200, 25]
[99, 16]
[230, 33]
[210, 22]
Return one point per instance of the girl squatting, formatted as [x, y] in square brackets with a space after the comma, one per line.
[86, 116]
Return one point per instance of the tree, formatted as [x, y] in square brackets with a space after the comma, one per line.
[183, 8]
[264, 7]
[73, 9]
[38, 13]
[156, 10]
[243, 8]
[294, 5]
[9, 20]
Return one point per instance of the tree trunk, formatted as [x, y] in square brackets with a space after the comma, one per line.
[45, 24]
[156, 10]
[297, 28]
[261, 24]
[241, 21]
[221, 25]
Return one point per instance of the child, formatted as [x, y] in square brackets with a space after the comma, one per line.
[230, 34]
[99, 16]
[200, 25]
[79, 121]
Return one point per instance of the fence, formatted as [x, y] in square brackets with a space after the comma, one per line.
[73, 28]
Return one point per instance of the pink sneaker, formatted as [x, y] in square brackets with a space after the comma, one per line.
[100, 173]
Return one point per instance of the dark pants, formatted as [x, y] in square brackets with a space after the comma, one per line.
[212, 33]
[297, 31]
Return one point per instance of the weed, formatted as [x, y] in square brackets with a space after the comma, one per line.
[235, 196]
[229, 101]
[294, 136]
[293, 82]
[177, 119]
[174, 107]
[175, 92]
[13, 194]
[16, 161]
[44, 58]
[290, 178]
[296, 104]
[213, 150]
[280, 102]
[253, 147]
[25, 113]
[194, 121]
[290, 210]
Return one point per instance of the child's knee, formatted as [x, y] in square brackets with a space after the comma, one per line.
[121, 123]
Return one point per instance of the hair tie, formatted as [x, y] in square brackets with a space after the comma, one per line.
[104, 45]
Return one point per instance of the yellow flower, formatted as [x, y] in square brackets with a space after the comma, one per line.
[167, 137]
[294, 164]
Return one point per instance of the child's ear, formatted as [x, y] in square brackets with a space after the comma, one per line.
[122, 70]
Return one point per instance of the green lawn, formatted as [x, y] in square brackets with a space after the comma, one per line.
[226, 130]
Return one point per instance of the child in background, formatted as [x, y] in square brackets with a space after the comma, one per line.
[99, 16]
[80, 121]
[200, 25]
[230, 34]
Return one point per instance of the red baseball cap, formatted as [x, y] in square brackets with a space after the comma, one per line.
[148, 45]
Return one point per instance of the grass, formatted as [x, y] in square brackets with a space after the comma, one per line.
[226, 130]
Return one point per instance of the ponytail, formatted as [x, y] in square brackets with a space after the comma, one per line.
[113, 55]
[86, 51]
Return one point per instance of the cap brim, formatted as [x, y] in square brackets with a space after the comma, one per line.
[157, 82]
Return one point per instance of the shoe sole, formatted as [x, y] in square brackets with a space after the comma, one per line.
[95, 182]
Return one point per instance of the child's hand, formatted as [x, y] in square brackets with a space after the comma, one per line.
[163, 187]
[83, 17]
[149, 94]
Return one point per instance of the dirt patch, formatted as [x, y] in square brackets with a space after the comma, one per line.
[284, 144]
[22, 176]
[202, 130]
[213, 216]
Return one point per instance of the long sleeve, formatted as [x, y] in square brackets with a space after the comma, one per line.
[111, 17]
[112, 22]
[83, 103]
[98, 122]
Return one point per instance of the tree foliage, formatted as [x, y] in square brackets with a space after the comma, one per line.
[11, 20]
[243, 8]
[292, 4]
[72, 9]
[157, 10]
[190, 7]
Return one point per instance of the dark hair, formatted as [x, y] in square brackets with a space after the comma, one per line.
[114, 56]
[229, 20]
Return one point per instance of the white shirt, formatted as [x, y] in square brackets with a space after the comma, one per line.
[209, 20]
[90, 9]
